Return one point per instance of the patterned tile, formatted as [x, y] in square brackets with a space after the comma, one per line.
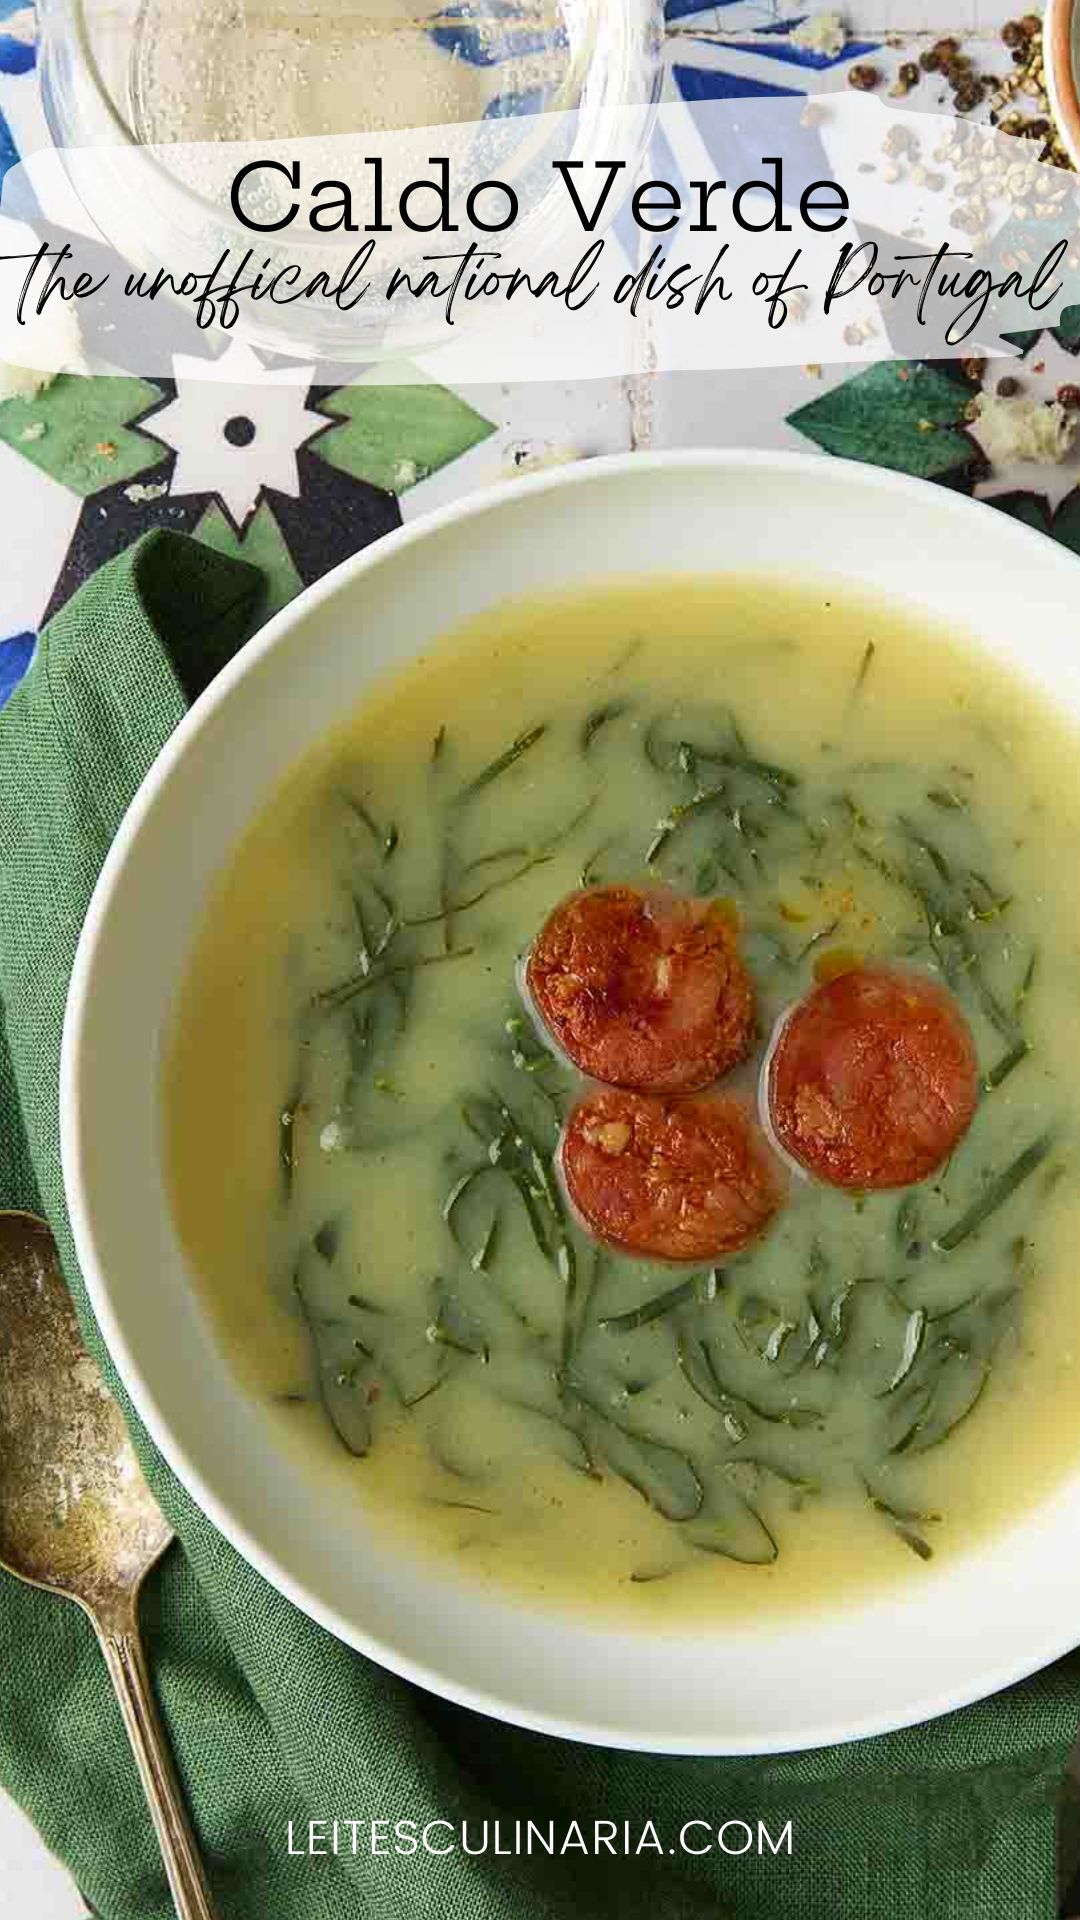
[901, 415]
[299, 481]
[15, 657]
[394, 436]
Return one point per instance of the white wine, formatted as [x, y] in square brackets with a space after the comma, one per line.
[253, 69]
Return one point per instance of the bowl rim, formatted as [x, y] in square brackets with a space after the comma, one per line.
[77, 1186]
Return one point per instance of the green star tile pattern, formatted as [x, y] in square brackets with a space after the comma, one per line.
[1034, 510]
[262, 544]
[394, 436]
[78, 430]
[1067, 331]
[897, 414]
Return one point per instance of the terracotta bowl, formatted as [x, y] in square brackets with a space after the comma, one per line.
[1061, 61]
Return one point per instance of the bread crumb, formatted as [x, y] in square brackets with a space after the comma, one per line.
[534, 456]
[1019, 427]
[821, 33]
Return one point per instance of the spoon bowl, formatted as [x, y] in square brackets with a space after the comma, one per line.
[76, 1515]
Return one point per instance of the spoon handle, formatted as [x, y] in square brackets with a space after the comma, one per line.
[128, 1671]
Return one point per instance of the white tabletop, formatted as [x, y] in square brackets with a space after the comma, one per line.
[35, 1885]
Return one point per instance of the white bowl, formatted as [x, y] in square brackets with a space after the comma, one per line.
[939, 1639]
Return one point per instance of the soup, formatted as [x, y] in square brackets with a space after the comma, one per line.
[372, 1112]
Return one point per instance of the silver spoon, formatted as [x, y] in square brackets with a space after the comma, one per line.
[76, 1515]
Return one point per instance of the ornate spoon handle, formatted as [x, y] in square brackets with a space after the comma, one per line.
[127, 1670]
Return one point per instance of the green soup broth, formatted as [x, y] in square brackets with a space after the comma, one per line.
[361, 1117]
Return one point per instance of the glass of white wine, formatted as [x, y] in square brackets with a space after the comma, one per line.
[153, 101]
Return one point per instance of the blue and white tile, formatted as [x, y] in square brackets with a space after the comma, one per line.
[539, 424]
[39, 519]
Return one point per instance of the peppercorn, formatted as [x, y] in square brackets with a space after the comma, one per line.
[909, 73]
[1008, 387]
[1012, 33]
[1031, 26]
[929, 61]
[973, 369]
[864, 78]
[1069, 397]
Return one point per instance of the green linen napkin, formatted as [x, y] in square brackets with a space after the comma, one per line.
[272, 1720]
